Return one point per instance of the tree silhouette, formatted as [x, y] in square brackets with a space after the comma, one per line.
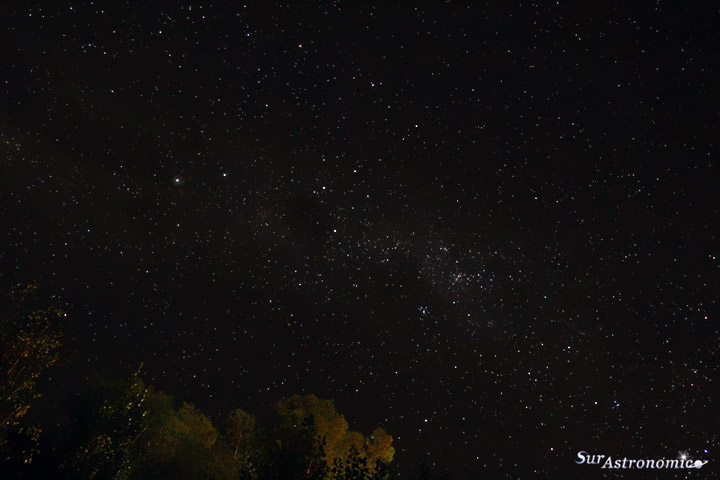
[186, 448]
[295, 451]
[245, 443]
[111, 419]
[340, 443]
[30, 340]
[125, 430]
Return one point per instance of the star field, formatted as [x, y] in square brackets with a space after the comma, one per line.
[492, 229]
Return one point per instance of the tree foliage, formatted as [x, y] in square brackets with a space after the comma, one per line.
[30, 340]
[244, 442]
[341, 445]
[111, 418]
[126, 430]
[185, 447]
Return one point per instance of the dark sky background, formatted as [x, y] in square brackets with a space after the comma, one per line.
[491, 229]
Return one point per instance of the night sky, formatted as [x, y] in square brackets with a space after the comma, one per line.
[491, 229]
